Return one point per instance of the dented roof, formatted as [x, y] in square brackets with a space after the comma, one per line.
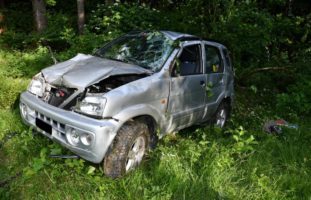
[177, 36]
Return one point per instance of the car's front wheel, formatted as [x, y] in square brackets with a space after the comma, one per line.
[128, 150]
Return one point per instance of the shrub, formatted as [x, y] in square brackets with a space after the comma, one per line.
[296, 100]
[123, 18]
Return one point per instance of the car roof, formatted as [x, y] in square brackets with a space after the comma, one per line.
[185, 37]
[178, 36]
[188, 37]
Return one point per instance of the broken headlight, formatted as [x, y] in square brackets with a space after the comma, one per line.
[37, 85]
[92, 104]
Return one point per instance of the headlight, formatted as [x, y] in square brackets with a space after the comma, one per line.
[78, 137]
[92, 104]
[37, 85]
[87, 139]
[73, 137]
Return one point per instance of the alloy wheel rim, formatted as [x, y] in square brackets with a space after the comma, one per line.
[135, 154]
[221, 118]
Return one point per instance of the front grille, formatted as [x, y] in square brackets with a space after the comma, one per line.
[58, 127]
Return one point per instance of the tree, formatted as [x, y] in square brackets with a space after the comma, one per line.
[81, 16]
[108, 2]
[39, 12]
[1, 17]
[2, 3]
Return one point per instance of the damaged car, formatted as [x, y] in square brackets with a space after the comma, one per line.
[111, 107]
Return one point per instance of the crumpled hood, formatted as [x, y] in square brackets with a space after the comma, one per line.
[84, 70]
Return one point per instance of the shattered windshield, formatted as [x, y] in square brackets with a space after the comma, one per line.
[149, 50]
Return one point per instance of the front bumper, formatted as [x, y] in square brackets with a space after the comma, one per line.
[60, 122]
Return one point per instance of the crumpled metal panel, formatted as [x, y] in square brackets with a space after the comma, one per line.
[84, 70]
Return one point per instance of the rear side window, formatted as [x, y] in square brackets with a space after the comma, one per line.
[213, 62]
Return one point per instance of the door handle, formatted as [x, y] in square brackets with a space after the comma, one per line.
[202, 83]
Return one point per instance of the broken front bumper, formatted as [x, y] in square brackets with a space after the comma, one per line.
[87, 137]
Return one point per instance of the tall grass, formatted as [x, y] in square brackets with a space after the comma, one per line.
[241, 162]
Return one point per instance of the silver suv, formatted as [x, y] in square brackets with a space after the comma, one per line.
[111, 107]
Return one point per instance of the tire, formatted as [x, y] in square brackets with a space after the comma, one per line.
[127, 150]
[221, 115]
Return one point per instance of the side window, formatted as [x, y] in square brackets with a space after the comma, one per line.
[213, 62]
[189, 62]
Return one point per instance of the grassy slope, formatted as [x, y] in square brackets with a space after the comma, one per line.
[197, 163]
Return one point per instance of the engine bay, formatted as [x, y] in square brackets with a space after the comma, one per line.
[56, 96]
[113, 82]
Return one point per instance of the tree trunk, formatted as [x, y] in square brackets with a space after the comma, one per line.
[109, 2]
[2, 28]
[2, 3]
[290, 8]
[81, 16]
[39, 12]
[152, 3]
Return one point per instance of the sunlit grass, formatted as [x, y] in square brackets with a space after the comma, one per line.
[197, 163]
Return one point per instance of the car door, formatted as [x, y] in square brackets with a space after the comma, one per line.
[187, 87]
[215, 79]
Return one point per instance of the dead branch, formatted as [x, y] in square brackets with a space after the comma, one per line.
[247, 75]
[52, 54]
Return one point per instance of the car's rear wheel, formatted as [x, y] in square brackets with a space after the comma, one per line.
[221, 115]
[128, 150]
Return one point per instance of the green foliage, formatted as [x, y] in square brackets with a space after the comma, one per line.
[86, 43]
[195, 163]
[59, 32]
[296, 100]
[244, 142]
[123, 18]
[14, 40]
[51, 2]
[24, 64]
[254, 27]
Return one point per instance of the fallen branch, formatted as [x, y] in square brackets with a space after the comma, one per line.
[267, 69]
[52, 54]
[247, 75]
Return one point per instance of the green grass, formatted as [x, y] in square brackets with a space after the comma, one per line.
[196, 163]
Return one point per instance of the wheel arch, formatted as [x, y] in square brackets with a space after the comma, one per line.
[146, 114]
[150, 122]
[142, 112]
